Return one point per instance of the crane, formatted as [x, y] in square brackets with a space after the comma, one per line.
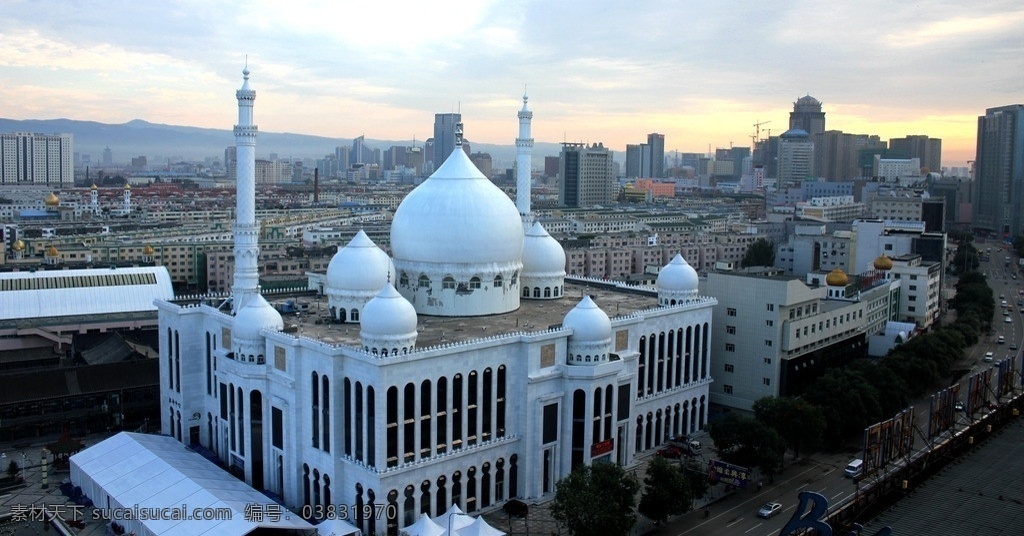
[757, 131]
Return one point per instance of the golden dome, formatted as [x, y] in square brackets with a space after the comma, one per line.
[836, 278]
[127, 186]
[882, 263]
[148, 250]
[93, 187]
[52, 251]
[51, 200]
[18, 245]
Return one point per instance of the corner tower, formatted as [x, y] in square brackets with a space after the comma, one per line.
[524, 163]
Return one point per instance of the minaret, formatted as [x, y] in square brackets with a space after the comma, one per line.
[94, 199]
[524, 163]
[126, 200]
[247, 247]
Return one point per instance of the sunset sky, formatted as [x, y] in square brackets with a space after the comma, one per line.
[702, 73]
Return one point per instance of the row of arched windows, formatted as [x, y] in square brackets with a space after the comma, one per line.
[677, 420]
[320, 413]
[436, 417]
[449, 282]
[670, 360]
[345, 315]
[173, 360]
[546, 292]
[477, 488]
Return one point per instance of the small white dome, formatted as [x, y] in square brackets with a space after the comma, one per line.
[256, 315]
[678, 275]
[542, 254]
[457, 216]
[588, 322]
[387, 314]
[360, 265]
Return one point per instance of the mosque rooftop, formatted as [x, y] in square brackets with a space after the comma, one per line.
[532, 315]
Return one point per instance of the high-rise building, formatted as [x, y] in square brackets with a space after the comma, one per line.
[796, 156]
[108, 157]
[999, 171]
[807, 115]
[444, 136]
[634, 159]
[656, 168]
[837, 153]
[37, 159]
[928, 150]
[586, 174]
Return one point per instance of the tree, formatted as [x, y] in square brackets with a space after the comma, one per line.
[596, 500]
[666, 491]
[799, 422]
[761, 252]
[748, 442]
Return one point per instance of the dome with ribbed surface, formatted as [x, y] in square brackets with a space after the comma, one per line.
[837, 278]
[388, 314]
[678, 275]
[457, 216]
[18, 245]
[51, 200]
[256, 315]
[542, 254]
[148, 250]
[360, 265]
[882, 263]
[588, 322]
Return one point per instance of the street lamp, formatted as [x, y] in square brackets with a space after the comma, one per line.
[453, 514]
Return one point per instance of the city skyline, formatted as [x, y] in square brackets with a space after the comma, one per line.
[700, 75]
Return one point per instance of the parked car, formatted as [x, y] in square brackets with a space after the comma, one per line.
[988, 357]
[1013, 346]
[671, 452]
[769, 510]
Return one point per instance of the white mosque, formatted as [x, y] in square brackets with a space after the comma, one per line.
[467, 369]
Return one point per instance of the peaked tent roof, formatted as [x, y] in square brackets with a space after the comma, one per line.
[155, 471]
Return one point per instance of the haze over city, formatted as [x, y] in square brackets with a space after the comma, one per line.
[606, 72]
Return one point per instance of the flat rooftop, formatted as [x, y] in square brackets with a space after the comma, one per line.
[532, 315]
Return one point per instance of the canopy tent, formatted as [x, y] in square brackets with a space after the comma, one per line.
[423, 527]
[337, 527]
[479, 527]
[137, 471]
[454, 518]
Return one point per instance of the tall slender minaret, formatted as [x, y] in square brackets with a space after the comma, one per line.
[524, 163]
[247, 229]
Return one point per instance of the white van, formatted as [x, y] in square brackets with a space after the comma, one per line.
[855, 468]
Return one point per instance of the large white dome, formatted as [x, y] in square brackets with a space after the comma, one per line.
[678, 275]
[457, 216]
[588, 322]
[388, 314]
[360, 265]
[542, 254]
[256, 315]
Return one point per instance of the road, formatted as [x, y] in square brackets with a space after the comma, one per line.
[736, 514]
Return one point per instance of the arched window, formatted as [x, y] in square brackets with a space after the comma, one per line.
[424, 281]
[474, 283]
[498, 281]
[403, 280]
[536, 292]
[448, 282]
[558, 291]
[526, 292]
[515, 278]
[547, 292]
[355, 315]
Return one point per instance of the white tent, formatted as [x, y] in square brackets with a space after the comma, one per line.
[337, 527]
[455, 516]
[423, 527]
[149, 473]
[479, 527]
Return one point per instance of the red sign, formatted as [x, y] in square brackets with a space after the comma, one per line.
[603, 447]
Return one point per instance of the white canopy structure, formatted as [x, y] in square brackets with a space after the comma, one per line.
[423, 527]
[93, 291]
[479, 527]
[454, 518]
[337, 527]
[156, 476]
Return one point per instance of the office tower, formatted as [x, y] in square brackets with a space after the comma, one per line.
[634, 159]
[999, 171]
[928, 150]
[37, 159]
[444, 136]
[807, 115]
[587, 175]
[657, 162]
[108, 157]
[796, 156]
[837, 154]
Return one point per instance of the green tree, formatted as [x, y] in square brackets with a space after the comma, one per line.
[666, 491]
[595, 500]
[799, 422]
[748, 442]
[761, 252]
[966, 259]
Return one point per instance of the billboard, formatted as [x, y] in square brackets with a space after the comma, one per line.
[719, 471]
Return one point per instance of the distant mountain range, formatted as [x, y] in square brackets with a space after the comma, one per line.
[157, 141]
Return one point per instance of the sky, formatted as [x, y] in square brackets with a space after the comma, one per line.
[701, 73]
